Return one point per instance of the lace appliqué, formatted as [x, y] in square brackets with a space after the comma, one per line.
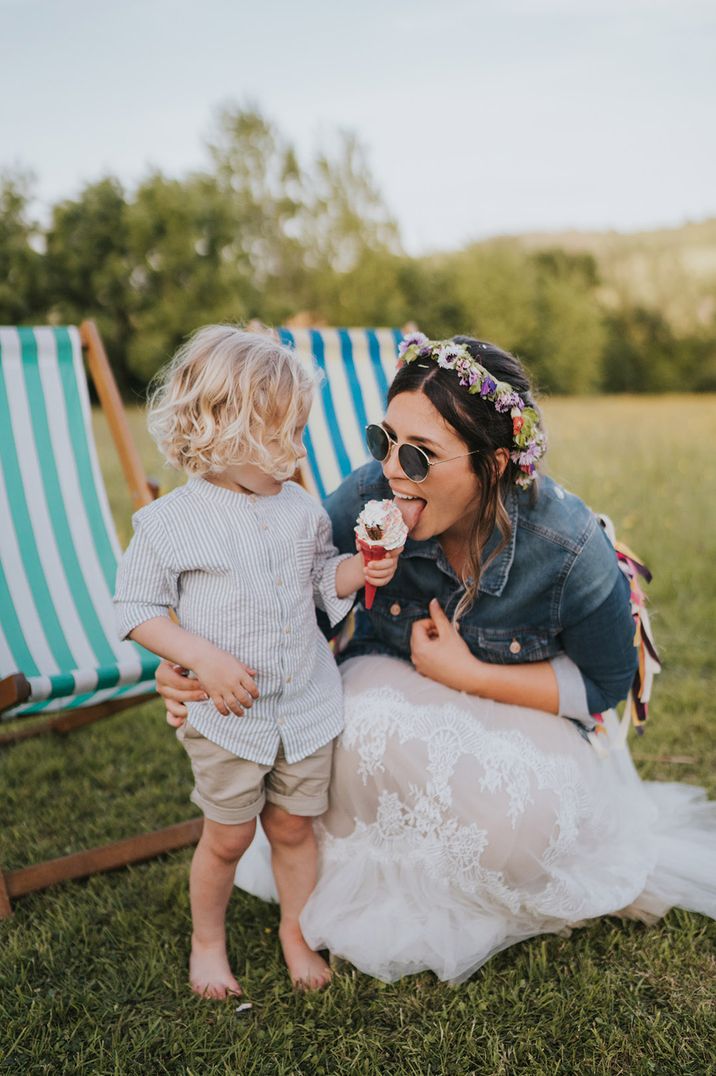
[417, 826]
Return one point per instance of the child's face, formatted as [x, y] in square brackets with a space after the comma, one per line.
[255, 480]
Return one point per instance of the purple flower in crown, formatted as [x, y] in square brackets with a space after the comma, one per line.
[529, 455]
[417, 339]
[473, 377]
[507, 400]
[488, 385]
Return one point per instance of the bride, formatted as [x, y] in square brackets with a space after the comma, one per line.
[475, 799]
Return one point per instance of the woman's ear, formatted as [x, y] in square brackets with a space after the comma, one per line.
[502, 458]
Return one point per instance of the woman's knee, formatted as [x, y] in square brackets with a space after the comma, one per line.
[228, 842]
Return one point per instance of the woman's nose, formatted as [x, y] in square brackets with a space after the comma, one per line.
[391, 466]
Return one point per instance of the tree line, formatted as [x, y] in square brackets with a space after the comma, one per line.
[258, 234]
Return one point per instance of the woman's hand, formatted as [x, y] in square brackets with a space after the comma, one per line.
[440, 653]
[177, 689]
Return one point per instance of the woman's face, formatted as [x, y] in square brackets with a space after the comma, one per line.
[449, 497]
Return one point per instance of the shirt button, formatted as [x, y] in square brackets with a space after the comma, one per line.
[395, 609]
[289, 679]
[286, 631]
[515, 647]
[279, 582]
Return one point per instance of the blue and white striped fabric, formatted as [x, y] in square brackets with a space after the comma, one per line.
[358, 366]
[246, 573]
[58, 545]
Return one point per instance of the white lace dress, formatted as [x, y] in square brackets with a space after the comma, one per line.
[459, 826]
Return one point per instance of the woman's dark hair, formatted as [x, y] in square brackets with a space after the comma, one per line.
[480, 426]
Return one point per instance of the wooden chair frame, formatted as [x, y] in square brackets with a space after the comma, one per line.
[15, 689]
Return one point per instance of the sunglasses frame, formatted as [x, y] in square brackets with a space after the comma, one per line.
[392, 443]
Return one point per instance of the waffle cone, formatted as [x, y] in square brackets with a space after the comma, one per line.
[370, 552]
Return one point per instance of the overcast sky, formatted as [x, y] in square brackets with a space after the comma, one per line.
[479, 116]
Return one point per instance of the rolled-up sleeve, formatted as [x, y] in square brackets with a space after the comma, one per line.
[598, 629]
[325, 563]
[147, 585]
[572, 691]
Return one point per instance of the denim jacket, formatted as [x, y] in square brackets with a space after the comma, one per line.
[555, 593]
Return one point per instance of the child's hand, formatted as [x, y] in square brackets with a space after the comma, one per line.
[380, 572]
[228, 682]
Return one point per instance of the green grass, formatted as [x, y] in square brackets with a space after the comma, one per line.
[93, 974]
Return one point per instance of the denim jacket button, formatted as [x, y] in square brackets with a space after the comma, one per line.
[395, 609]
[515, 647]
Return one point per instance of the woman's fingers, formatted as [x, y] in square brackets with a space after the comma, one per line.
[176, 713]
[422, 631]
[168, 675]
[184, 694]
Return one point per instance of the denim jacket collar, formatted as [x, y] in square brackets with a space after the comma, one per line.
[494, 578]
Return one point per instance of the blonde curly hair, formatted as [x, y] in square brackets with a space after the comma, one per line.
[231, 397]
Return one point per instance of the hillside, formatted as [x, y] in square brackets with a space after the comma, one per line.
[669, 269]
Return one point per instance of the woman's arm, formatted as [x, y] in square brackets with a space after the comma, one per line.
[438, 651]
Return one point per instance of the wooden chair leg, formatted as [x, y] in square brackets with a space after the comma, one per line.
[68, 720]
[106, 858]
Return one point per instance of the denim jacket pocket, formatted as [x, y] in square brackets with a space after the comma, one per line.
[510, 646]
[393, 617]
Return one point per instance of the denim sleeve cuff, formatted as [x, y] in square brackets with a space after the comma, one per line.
[572, 692]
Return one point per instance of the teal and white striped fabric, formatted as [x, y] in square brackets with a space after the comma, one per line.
[358, 365]
[58, 545]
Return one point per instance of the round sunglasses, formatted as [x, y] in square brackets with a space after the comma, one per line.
[414, 461]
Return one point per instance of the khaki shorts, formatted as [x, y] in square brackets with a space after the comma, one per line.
[232, 790]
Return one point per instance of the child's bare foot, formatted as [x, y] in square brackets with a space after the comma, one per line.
[209, 972]
[307, 969]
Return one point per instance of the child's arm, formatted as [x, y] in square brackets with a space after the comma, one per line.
[228, 682]
[352, 574]
[148, 586]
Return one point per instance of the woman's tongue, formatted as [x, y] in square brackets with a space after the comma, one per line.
[410, 511]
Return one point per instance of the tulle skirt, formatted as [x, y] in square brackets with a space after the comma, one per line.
[458, 826]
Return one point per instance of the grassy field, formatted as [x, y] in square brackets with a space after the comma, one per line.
[92, 974]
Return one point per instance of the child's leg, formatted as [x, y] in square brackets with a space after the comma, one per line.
[229, 790]
[211, 881]
[293, 858]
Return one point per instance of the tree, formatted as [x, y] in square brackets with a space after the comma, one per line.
[186, 268]
[22, 283]
[88, 267]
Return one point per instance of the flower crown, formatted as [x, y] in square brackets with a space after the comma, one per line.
[528, 438]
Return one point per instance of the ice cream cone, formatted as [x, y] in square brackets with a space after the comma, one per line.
[370, 552]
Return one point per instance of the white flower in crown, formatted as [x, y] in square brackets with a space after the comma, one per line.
[448, 354]
[415, 339]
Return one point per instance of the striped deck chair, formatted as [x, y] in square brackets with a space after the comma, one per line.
[358, 366]
[59, 652]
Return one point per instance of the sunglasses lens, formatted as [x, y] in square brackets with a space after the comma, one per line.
[414, 463]
[377, 441]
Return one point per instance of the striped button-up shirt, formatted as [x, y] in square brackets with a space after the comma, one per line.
[246, 572]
